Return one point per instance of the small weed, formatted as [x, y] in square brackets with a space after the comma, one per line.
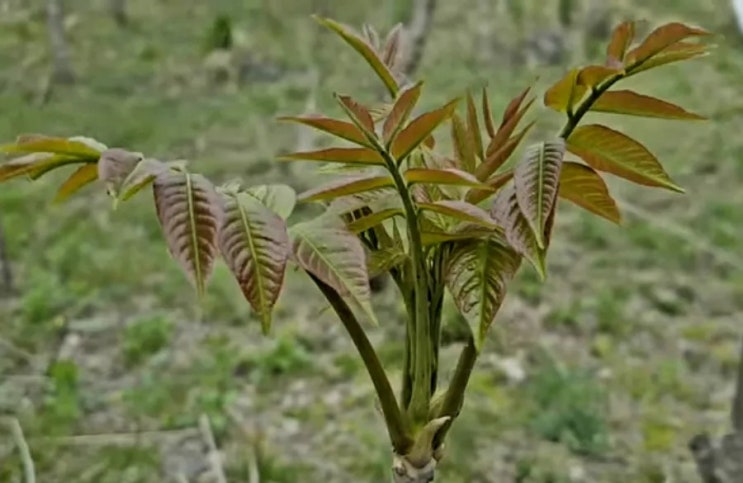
[145, 337]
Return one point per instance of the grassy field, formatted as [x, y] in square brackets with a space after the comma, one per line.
[600, 374]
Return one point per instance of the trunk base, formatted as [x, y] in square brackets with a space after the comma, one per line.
[404, 471]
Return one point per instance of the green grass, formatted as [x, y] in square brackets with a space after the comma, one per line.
[139, 354]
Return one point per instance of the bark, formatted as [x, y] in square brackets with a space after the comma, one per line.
[62, 72]
[738, 10]
[417, 34]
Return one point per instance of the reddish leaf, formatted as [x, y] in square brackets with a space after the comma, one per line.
[114, 166]
[632, 103]
[339, 155]
[477, 275]
[188, 212]
[536, 180]
[595, 75]
[82, 177]
[359, 114]
[507, 129]
[335, 255]
[460, 210]
[583, 186]
[255, 245]
[401, 111]
[419, 129]
[473, 127]
[496, 182]
[391, 50]
[565, 93]
[514, 107]
[348, 186]
[342, 129]
[367, 52]
[674, 53]
[519, 234]
[487, 113]
[498, 158]
[608, 150]
[442, 176]
[659, 40]
[621, 39]
[463, 144]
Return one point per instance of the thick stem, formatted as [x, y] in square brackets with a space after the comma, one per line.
[454, 397]
[393, 417]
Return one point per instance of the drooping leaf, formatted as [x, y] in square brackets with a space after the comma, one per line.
[449, 176]
[498, 157]
[495, 182]
[114, 166]
[536, 178]
[39, 143]
[359, 115]
[33, 164]
[400, 112]
[621, 39]
[477, 275]
[342, 129]
[347, 186]
[339, 155]
[659, 40]
[332, 253]
[370, 221]
[674, 53]
[460, 210]
[83, 176]
[520, 236]
[605, 149]
[583, 186]
[565, 93]
[473, 127]
[634, 104]
[141, 176]
[279, 198]
[367, 52]
[419, 129]
[254, 243]
[188, 211]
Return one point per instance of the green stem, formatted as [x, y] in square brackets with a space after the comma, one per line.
[401, 440]
[585, 105]
[454, 397]
[422, 349]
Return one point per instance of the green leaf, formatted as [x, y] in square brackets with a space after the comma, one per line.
[463, 144]
[342, 129]
[82, 177]
[255, 245]
[400, 112]
[332, 253]
[35, 164]
[419, 129]
[487, 113]
[140, 177]
[39, 143]
[583, 186]
[449, 176]
[461, 210]
[519, 233]
[339, 155]
[366, 51]
[634, 104]
[564, 94]
[536, 180]
[368, 222]
[382, 261]
[593, 76]
[348, 186]
[477, 275]
[188, 211]
[605, 149]
[674, 53]
[279, 198]
[114, 166]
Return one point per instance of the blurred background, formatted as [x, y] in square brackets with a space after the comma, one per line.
[601, 374]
